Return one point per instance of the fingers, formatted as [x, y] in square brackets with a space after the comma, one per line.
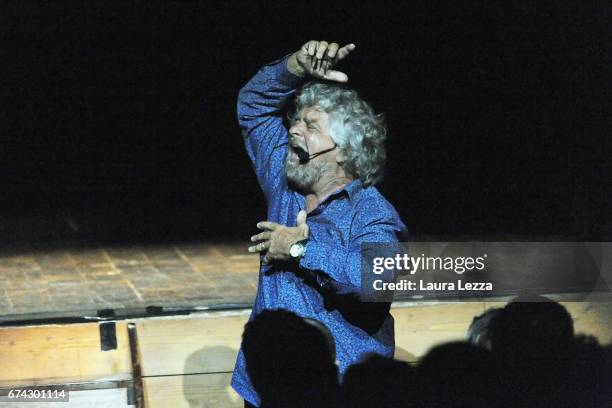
[345, 51]
[337, 76]
[321, 49]
[301, 218]
[264, 236]
[330, 56]
[262, 246]
[332, 50]
[318, 59]
[267, 225]
[310, 47]
[266, 259]
[322, 56]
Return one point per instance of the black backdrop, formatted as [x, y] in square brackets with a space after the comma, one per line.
[120, 116]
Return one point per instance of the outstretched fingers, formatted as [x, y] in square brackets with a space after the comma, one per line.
[336, 54]
[264, 236]
[330, 56]
[344, 52]
[267, 225]
[262, 246]
[318, 59]
[337, 76]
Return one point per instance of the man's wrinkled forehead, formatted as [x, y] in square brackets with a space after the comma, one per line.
[310, 114]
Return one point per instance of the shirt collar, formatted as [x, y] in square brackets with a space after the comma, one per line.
[351, 190]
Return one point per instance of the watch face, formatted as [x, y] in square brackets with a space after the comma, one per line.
[296, 249]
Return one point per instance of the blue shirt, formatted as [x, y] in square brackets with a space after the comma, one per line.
[326, 284]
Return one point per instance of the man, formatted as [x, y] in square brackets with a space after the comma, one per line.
[317, 177]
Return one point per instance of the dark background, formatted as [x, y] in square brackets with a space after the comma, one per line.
[118, 119]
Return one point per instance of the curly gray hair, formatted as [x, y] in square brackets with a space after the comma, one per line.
[357, 130]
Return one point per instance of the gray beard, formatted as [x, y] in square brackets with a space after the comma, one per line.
[303, 177]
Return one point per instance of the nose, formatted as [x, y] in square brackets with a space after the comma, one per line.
[295, 141]
[296, 130]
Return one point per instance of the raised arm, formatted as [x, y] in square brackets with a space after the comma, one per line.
[262, 100]
[260, 105]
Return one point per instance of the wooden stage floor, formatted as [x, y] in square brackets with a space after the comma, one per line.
[78, 280]
[73, 282]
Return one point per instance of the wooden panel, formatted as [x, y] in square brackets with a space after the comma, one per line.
[418, 328]
[190, 391]
[189, 345]
[40, 354]
[199, 344]
[208, 345]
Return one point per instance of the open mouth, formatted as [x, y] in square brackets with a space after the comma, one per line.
[299, 152]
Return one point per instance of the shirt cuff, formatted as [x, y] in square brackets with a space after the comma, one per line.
[283, 75]
[322, 257]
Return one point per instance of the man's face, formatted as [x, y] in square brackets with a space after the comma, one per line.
[309, 132]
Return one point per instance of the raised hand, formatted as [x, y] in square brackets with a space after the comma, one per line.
[317, 58]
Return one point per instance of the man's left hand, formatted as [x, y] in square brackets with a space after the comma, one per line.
[277, 239]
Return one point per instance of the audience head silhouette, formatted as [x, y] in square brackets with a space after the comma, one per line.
[479, 332]
[533, 339]
[379, 382]
[458, 374]
[532, 329]
[290, 361]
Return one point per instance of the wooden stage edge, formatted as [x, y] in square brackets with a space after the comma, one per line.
[187, 360]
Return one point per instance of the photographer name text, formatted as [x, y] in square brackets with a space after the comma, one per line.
[420, 285]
